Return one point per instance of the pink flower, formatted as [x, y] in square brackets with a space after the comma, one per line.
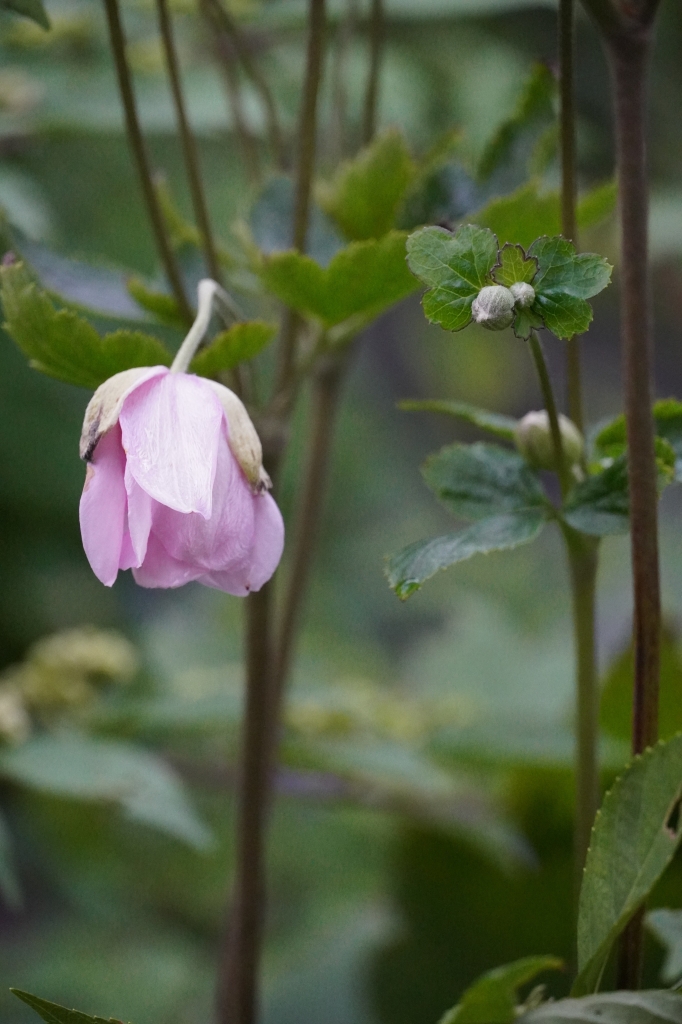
[175, 487]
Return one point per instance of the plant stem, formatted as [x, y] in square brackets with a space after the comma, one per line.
[189, 147]
[137, 146]
[376, 39]
[552, 412]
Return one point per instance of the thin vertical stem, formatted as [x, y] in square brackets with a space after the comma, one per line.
[551, 407]
[189, 147]
[376, 38]
[137, 146]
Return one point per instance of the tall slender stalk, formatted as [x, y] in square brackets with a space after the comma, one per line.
[376, 39]
[136, 141]
[552, 411]
[189, 147]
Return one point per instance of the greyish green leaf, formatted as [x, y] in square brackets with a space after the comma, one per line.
[653, 1007]
[513, 266]
[62, 344]
[362, 280]
[52, 1013]
[492, 422]
[366, 193]
[600, 505]
[666, 926]
[238, 344]
[32, 9]
[492, 998]
[454, 268]
[634, 838]
[407, 570]
[561, 269]
[479, 480]
[84, 768]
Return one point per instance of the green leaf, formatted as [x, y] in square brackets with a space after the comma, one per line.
[479, 480]
[666, 926]
[63, 344]
[238, 344]
[634, 838]
[454, 268]
[493, 422]
[600, 505]
[32, 9]
[525, 321]
[653, 1007]
[534, 112]
[564, 315]
[164, 307]
[514, 266]
[407, 570]
[611, 440]
[492, 998]
[84, 768]
[563, 270]
[366, 193]
[361, 281]
[52, 1013]
[9, 883]
[615, 715]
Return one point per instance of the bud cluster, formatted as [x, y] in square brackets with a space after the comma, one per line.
[495, 305]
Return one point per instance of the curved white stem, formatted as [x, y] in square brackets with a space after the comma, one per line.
[208, 293]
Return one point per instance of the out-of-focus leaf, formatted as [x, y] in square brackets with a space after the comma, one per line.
[610, 442]
[9, 883]
[654, 1007]
[666, 926]
[361, 281]
[365, 194]
[479, 480]
[514, 266]
[52, 1013]
[492, 422]
[83, 768]
[238, 344]
[635, 836]
[32, 9]
[272, 218]
[454, 268]
[597, 204]
[163, 306]
[492, 998]
[64, 345]
[407, 570]
[616, 699]
[600, 505]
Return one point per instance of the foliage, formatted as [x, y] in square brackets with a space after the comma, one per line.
[493, 998]
[51, 1013]
[238, 344]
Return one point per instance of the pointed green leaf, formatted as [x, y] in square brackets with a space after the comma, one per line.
[454, 268]
[654, 1007]
[32, 9]
[600, 505]
[238, 344]
[407, 570]
[514, 266]
[534, 113]
[525, 321]
[479, 480]
[635, 836]
[366, 193]
[492, 998]
[164, 307]
[52, 1013]
[361, 281]
[493, 422]
[63, 344]
[563, 270]
[666, 926]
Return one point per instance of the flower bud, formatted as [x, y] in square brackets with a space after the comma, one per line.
[533, 438]
[493, 307]
[524, 294]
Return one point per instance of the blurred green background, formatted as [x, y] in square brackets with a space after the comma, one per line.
[422, 832]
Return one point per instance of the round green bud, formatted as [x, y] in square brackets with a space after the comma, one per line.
[524, 294]
[493, 307]
[533, 438]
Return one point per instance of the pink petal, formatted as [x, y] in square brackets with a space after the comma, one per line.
[171, 428]
[102, 507]
[139, 518]
[160, 569]
[263, 558]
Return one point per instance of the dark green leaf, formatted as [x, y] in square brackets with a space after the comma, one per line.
[63, 344]
[32, 9]
[653, 1007]
[616, 699]
[454, 268]
[238, 344]
[413, 565]
[634, 838]
[492, 998]
[525, 321]
[365, 194]
[164, 307]
[52, 1013]
[564, 315]
[514, 266]
[493, 422]
[534, 112]
[480, 480]
[562, 270]
[666, 926]
[600, 505]
[361, 281]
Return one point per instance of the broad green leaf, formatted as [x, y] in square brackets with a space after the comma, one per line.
[666, 926]
[616, 700]
[563, 270]
[238, 344]
[63, 344]
[32, 9]
[407, 570]
[525, 321]
[492, 998]
[454, 268]
[514, 266]
[493, 422]
[361, 281]
[564, 315]
[52, 1013]
[9, 883]
[479, 480]
[84, 768]
[534, 112]
[634, 838]
[164, 307]
[653, 1007]
[600, 505]
[366, 193]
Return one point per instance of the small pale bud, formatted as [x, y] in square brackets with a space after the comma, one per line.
[533, 438]
[524, 294]
[243, 439]
[493, 307]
